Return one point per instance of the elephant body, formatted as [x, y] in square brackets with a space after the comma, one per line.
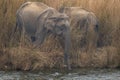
[87, 24]
[38, 21]
[27, 17]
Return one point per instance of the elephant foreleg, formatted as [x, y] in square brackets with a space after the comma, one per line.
[40, 36]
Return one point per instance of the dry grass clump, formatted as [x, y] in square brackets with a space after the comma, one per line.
[22, 58]
[102, 57]
[50, 54]
[25, 59]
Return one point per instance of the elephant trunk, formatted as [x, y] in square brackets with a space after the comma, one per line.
[67, 48]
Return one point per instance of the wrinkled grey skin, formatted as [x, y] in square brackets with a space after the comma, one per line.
[38, 21]
[86, 22]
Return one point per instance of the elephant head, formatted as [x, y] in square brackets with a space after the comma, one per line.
[57, 25]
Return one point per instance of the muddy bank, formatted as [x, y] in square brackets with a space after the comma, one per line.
[78, 74]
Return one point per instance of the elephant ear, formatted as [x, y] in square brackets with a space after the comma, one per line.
[43, 16]
[41, 30]
[40, 21]
[50, 21]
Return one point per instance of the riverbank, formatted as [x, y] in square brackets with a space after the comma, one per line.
[80, 74]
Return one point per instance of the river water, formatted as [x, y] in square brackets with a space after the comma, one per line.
[82, 74]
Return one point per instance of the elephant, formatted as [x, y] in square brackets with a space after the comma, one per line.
[37, 21]
[84, 21]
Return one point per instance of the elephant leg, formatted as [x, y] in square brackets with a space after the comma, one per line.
[22, 36]
[12, 35]
[67, 61]
[92, 41]
[39, 38]
[33, 38]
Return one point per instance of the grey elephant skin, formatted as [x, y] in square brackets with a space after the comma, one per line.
[87, 24]
[38, 21]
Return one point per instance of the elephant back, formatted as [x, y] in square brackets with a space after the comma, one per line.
[33, 4]
[80, 18]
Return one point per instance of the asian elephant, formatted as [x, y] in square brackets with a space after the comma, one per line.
[38, 21]
[86, 23]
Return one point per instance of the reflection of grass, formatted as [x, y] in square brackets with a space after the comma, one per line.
[107, 12]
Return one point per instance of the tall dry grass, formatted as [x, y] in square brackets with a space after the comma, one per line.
[23, 57]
